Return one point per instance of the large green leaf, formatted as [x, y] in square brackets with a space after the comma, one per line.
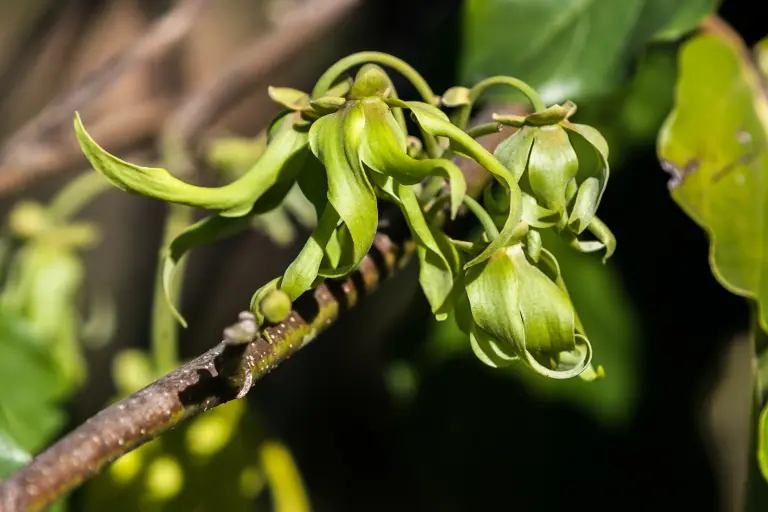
[568, 48]
[714, 145]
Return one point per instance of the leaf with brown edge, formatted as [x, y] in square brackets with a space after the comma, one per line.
[714, 145]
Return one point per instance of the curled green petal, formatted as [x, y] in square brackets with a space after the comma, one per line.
[489, 350]
[564, 365]
[551, 166]
[550, 324]
[327, 104]
[335, 140]
[494, 299]
[598, 228]
[547, 311]
[456, 97]
[514, 151]
[585, 246]
[585, 205]
[600, 169]
[438, 259]
[533, 245]
[535, 215]
[341, 87]
[384, 152]
[303, 271]
[292, 99]
[281, 160]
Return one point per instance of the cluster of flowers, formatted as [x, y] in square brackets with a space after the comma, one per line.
[347, 146]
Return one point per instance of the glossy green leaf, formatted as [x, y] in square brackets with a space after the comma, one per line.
[714, 145]
[384, 152]
[283, 155]
[335, 140]
[568, 48]
[679, 18]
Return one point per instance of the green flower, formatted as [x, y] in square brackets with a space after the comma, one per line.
[515, 309]
[363, 150]
[565, 175]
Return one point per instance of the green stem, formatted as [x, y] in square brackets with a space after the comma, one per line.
[164, 340]
[476, 151]
[433, 187]
[481, 130]
[76, 194]
[482, 216]
[462, 119]
[336, 70]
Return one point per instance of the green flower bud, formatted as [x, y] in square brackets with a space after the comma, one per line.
[28, 219]
[370, 81]
[513, 309]
[276, 306]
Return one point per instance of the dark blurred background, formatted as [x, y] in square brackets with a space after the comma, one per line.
[387, 410]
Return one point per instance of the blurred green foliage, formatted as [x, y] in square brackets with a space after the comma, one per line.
[221, 460]
[569, 49]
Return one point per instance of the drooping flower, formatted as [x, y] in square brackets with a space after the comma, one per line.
[515, 309]
[565, 175]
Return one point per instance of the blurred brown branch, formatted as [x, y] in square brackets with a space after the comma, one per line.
[294, 30]
[26, 157]
[163, 35]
